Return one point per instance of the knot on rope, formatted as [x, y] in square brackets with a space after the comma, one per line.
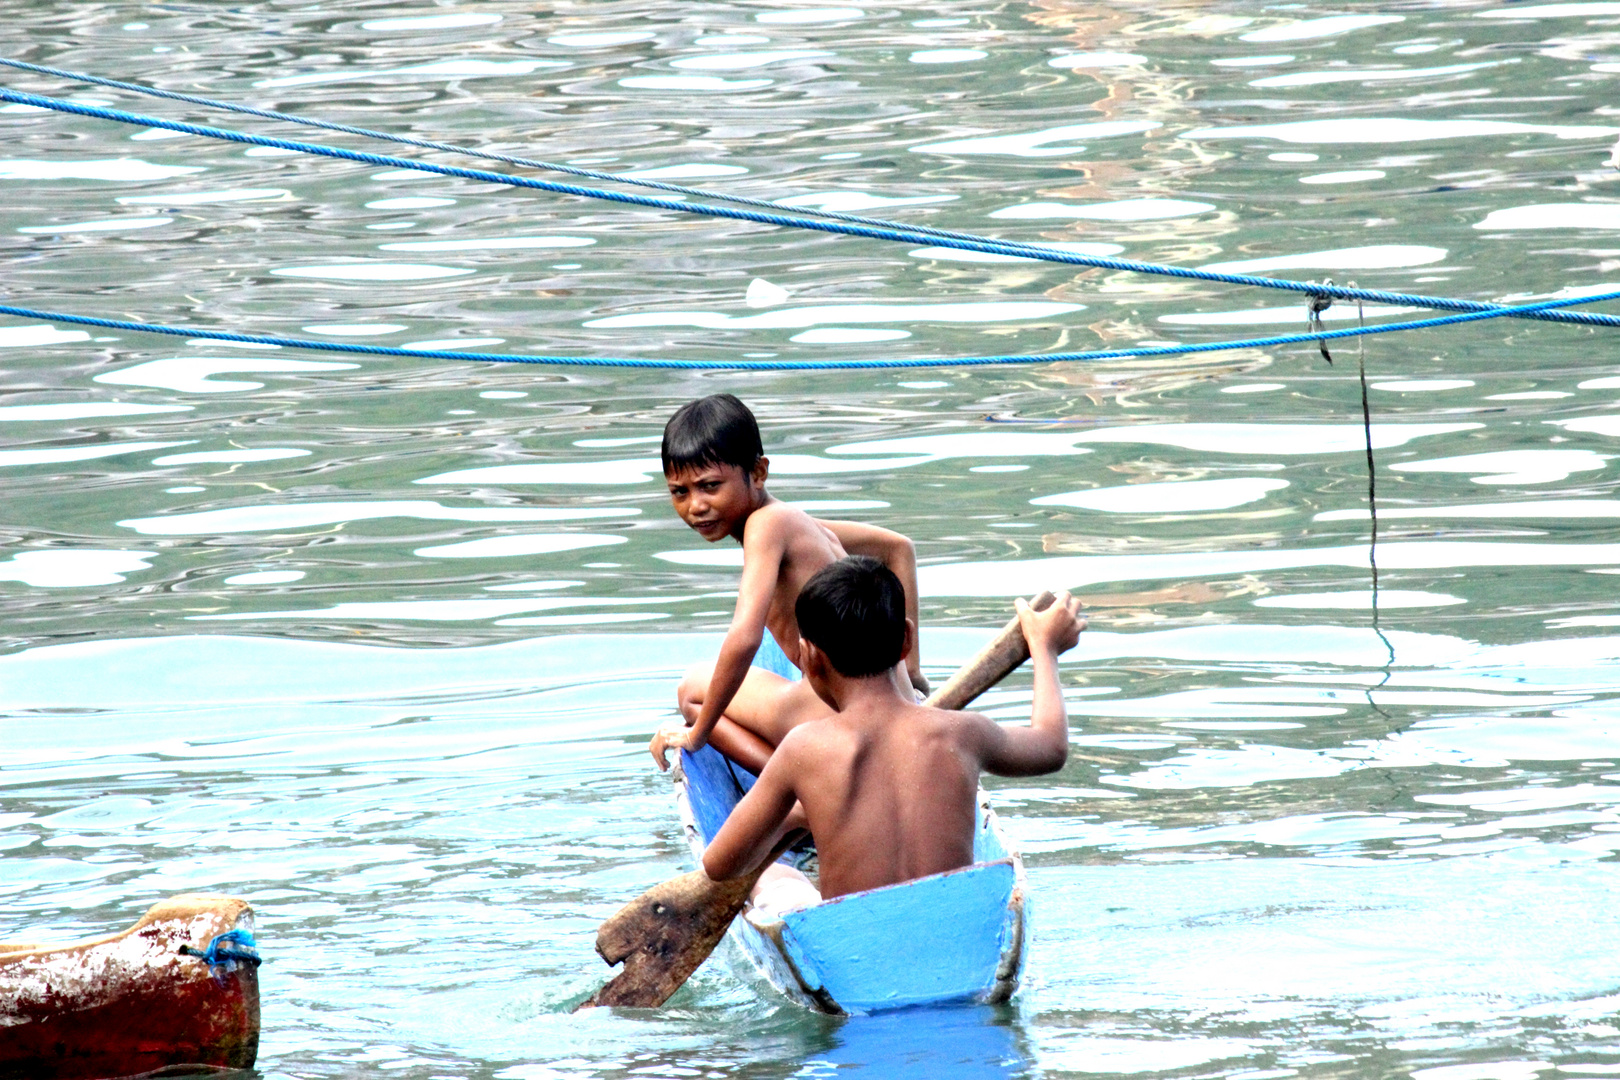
[1315, 304]
[227, 950]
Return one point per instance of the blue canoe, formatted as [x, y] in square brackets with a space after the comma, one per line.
[957, 936]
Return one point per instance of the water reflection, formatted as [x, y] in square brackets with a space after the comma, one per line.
[958, 1043]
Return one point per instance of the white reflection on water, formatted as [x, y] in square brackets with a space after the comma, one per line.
[1274, 315]
[691, 82]
[1554, 216]
[1283, 439]
[1393, 129]
[1375, 256]
[309, 515]
[1146, 209]
[1024, 577]
[438, 610]
[742, 61]
[945, 254]
[439, 69]
[1360, 600]
[432, 22]
[61, 454]
[494, 243]
[1347, 176]
[119, 170]
[1546, 509]
[803, 16]
[190, 374]
[79, 410]
[374, 271]
[1553, 11]
[1034, 144]
[25, 337]
[855, 202]
[505, 547]
[689, 171]
[63, 569]
[1184, 497]
[1331, 26]
[601, 39]
[102, 225]
[947, 56]
[231, 457]
[1073, 61]
[1319, 78]
[1511, 466]
[988, 311]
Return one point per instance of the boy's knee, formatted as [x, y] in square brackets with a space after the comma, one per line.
[691, 688]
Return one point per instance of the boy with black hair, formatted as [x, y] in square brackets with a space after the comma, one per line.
[887, 787]
[716, 468]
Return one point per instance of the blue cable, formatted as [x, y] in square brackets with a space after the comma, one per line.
[805, 365]
[894, 232]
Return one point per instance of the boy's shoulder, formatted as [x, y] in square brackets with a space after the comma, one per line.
[778, 520]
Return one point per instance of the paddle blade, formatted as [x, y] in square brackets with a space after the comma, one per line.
[663, 935]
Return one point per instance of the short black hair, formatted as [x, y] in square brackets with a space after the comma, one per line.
[854, 610]
[716, 430]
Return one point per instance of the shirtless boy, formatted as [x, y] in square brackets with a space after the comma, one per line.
[716, 468]
[887, 787]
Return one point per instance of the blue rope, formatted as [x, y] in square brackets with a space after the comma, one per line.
[890, 231]
[805, 365]
[219, 950]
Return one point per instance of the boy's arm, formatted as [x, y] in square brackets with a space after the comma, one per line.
[899, 554]
[763, 548]
[756, 823]
[1043, 746]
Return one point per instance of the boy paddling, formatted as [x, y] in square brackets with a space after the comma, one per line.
[887, 787]
[716, 469]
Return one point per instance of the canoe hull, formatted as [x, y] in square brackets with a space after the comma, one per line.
[957, 936]
[132, 1002]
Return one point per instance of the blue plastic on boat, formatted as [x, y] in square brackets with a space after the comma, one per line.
[950, 937]
[771, 658]
[935, 939]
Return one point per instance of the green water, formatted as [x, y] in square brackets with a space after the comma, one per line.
[378, 643]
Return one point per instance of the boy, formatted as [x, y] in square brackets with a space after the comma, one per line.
[887, 787]
[716, 468]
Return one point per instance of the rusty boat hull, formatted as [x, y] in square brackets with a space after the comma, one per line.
[150, 997]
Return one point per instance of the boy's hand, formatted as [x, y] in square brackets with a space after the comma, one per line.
[667, 738]
[919, 683]
[1057, 628]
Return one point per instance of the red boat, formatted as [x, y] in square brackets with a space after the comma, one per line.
[180, 987]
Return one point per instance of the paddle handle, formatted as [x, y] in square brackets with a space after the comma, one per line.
[993, 663]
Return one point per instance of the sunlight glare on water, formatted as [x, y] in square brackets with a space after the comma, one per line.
[377, 642]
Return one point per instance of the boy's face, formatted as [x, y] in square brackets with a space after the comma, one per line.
[715, 500]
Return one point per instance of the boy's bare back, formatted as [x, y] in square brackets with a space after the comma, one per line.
[894, 793]
[887, 787]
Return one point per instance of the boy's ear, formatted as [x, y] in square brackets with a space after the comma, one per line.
[909, 643]
[761, 470]
[815, 665]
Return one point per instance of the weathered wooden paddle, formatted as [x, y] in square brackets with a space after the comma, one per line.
[666, 932]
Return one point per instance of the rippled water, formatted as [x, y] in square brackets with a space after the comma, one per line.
[377, 643]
